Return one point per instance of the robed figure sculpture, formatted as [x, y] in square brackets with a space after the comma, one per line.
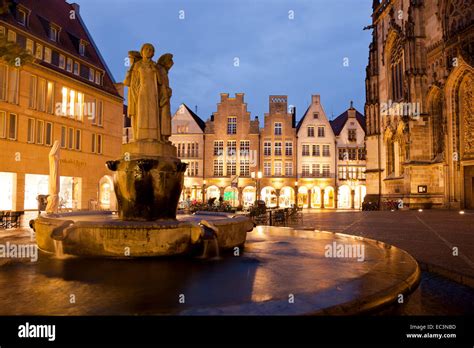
[149, 95]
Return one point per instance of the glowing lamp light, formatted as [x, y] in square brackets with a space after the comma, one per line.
[420, 210]
[461, 212]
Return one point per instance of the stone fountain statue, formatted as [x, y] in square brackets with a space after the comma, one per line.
[149, 178]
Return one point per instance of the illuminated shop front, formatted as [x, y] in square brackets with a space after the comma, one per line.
[287, 197]
[7, 180]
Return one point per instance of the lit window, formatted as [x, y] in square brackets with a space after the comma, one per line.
[267, 168]
[50, 98]
[47, 55]
[29, 46]
[72, 102]
[288, 168]
[3, 81]
[64, 101]
[62, 61]
[11, 36]
[39, 51]
[277, 168]
[80, 106]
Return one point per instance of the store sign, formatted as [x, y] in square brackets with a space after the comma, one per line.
[74, 162]
[422, 189]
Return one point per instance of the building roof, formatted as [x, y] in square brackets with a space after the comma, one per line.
[338, 123]
[300, 122]
[72, 31]
[196, 118]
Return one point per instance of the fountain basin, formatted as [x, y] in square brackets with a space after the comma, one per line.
[103, 234]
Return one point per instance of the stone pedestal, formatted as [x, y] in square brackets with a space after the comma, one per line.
[148, 181]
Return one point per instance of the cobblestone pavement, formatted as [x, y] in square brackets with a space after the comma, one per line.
[441, 241]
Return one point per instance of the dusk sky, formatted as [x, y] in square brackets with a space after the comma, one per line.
[277, 55]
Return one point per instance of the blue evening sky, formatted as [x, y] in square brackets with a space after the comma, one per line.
[277, 55]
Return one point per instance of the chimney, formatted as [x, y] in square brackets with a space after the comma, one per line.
[351, 112]
[293, 116]
[212, 118]
[315, 99]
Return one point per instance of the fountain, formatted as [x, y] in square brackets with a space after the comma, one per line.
[148, 180]
[328, 273]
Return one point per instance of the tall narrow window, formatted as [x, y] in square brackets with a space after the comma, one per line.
[278, 128]
[70, 138]
[80, 106]
[100, 109]
[53, 34]
[31, 131]
[232, 125]
[93, 144]
[91, 74]
[64, 93]
[69, 65]
[13, 80]
[99, 143]
[12, 127]
[78, 140]
[49, 134]
[63, 137]
[3, 124]
[277, 148]
[72, 102]
[321, 133]
[30, 46]
[3, 81]
[11, 36]
[289, 148]
[47, 55]
[310, 131]
[76, 68]
[39, 51]
[82, 48]
[32, 92]
[62, 61]
[288, 168]
[41, 94]
[277, 168]
[39, 131]
[267, 148]
[50, 97]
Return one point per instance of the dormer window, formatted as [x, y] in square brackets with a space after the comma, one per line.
[98, 78]
[82, 48]
[21, 16]
[53, 34]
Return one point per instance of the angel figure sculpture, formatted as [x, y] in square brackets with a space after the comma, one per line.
[144, 80]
